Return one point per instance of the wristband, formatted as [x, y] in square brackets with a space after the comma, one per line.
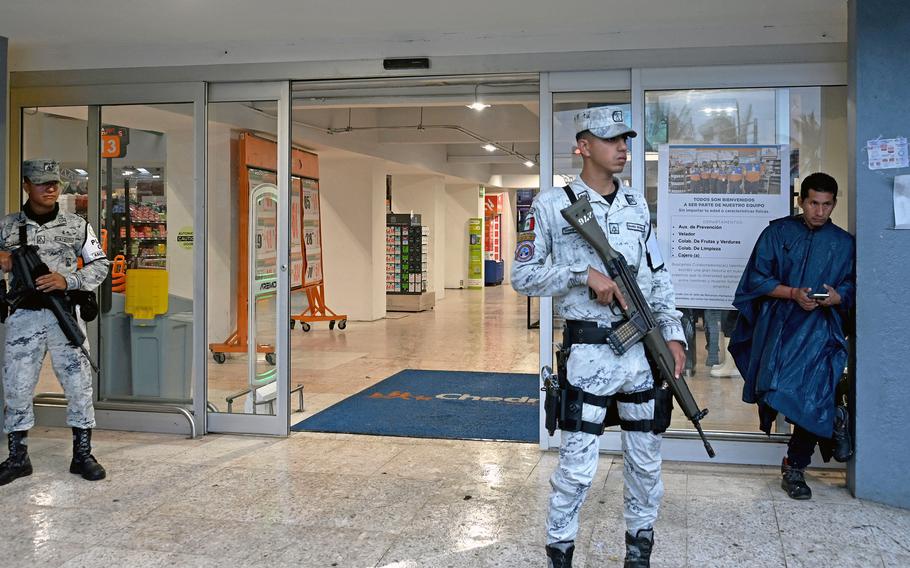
[793, 293]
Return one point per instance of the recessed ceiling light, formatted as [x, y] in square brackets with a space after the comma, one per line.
[489, 147]
[478, 106]
[529, 163]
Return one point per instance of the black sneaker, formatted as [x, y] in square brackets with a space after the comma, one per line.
[793, 481]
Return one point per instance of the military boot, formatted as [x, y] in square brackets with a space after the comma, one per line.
[559, 554]
[84, 463]
[17, 465]
[793, 481]
[638, 549]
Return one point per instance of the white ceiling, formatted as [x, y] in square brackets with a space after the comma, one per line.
[62, 34]
[98, 34]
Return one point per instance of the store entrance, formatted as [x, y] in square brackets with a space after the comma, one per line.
[401, 194]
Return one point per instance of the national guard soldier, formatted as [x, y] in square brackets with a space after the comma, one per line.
[33, 330]
[551, 259]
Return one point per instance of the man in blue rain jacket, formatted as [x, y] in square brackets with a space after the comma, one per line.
[790, 343]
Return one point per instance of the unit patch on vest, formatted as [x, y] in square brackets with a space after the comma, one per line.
[631, 200]
[525, 251]
[570, 230]
[69, 240]
[614, 228]
[636, 227]
[40, 239]
[522, 237]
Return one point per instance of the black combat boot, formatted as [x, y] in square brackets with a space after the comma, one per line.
[559, 554]
[793, 481]
[17, 465]
[84, 463]
[638, 549]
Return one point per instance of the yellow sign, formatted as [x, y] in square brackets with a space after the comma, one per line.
[185, 237]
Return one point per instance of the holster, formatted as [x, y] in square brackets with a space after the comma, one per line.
[87, 302]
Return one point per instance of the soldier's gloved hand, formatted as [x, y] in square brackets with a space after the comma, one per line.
[6, 261]
[50, 282]
[605, 288]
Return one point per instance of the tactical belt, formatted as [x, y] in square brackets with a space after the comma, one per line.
[579, 331]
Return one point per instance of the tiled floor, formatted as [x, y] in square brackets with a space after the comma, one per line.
[353, 501]
[317, 500]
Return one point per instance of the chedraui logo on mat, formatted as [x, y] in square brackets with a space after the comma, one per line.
[457, 396]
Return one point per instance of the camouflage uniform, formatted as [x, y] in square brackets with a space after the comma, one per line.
[32, 333]
[552, 260]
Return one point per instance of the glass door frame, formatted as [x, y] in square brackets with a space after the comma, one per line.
[731, 447]
[279, 423]
[126, 416]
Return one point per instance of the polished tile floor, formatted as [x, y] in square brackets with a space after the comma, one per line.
[325, 500]
[318, 500]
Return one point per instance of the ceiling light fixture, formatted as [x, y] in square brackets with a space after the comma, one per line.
[142, 171]
[489, 147]
[529, 164]
[477, 105]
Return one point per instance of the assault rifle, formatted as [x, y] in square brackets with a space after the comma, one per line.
[27, 267]
[639, 323]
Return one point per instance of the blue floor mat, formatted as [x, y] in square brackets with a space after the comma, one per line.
[438, 404]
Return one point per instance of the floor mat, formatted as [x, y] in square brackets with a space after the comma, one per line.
[438, 404]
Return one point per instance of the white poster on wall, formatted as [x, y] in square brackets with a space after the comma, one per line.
[713, 202]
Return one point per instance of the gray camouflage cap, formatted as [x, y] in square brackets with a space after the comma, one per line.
[41, 170]
[603, 122]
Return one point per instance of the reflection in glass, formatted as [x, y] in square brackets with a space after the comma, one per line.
[146, 203]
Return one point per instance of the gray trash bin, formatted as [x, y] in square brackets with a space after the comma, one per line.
[116, 363]
[162, 356]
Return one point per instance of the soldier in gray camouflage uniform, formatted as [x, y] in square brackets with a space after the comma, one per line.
[551, 259]
[32, 330]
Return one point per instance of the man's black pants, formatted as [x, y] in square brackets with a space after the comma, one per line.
[801, 447]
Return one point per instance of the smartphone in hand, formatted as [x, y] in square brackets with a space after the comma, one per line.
[819, 295]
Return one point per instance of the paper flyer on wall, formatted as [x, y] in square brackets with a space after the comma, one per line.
[713, 202]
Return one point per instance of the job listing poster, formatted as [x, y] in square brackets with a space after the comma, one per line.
[713, 202]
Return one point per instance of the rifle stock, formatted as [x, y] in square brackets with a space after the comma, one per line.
[581, 217]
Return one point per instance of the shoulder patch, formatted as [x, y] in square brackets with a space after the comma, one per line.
[630, 199]
[636, 227]
[525, 251]
[527, 224]
[529, 236]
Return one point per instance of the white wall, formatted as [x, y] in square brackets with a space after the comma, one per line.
[463, 201]
[426, 195]
[352, 191]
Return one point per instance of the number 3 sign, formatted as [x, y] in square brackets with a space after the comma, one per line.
[110, 146]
